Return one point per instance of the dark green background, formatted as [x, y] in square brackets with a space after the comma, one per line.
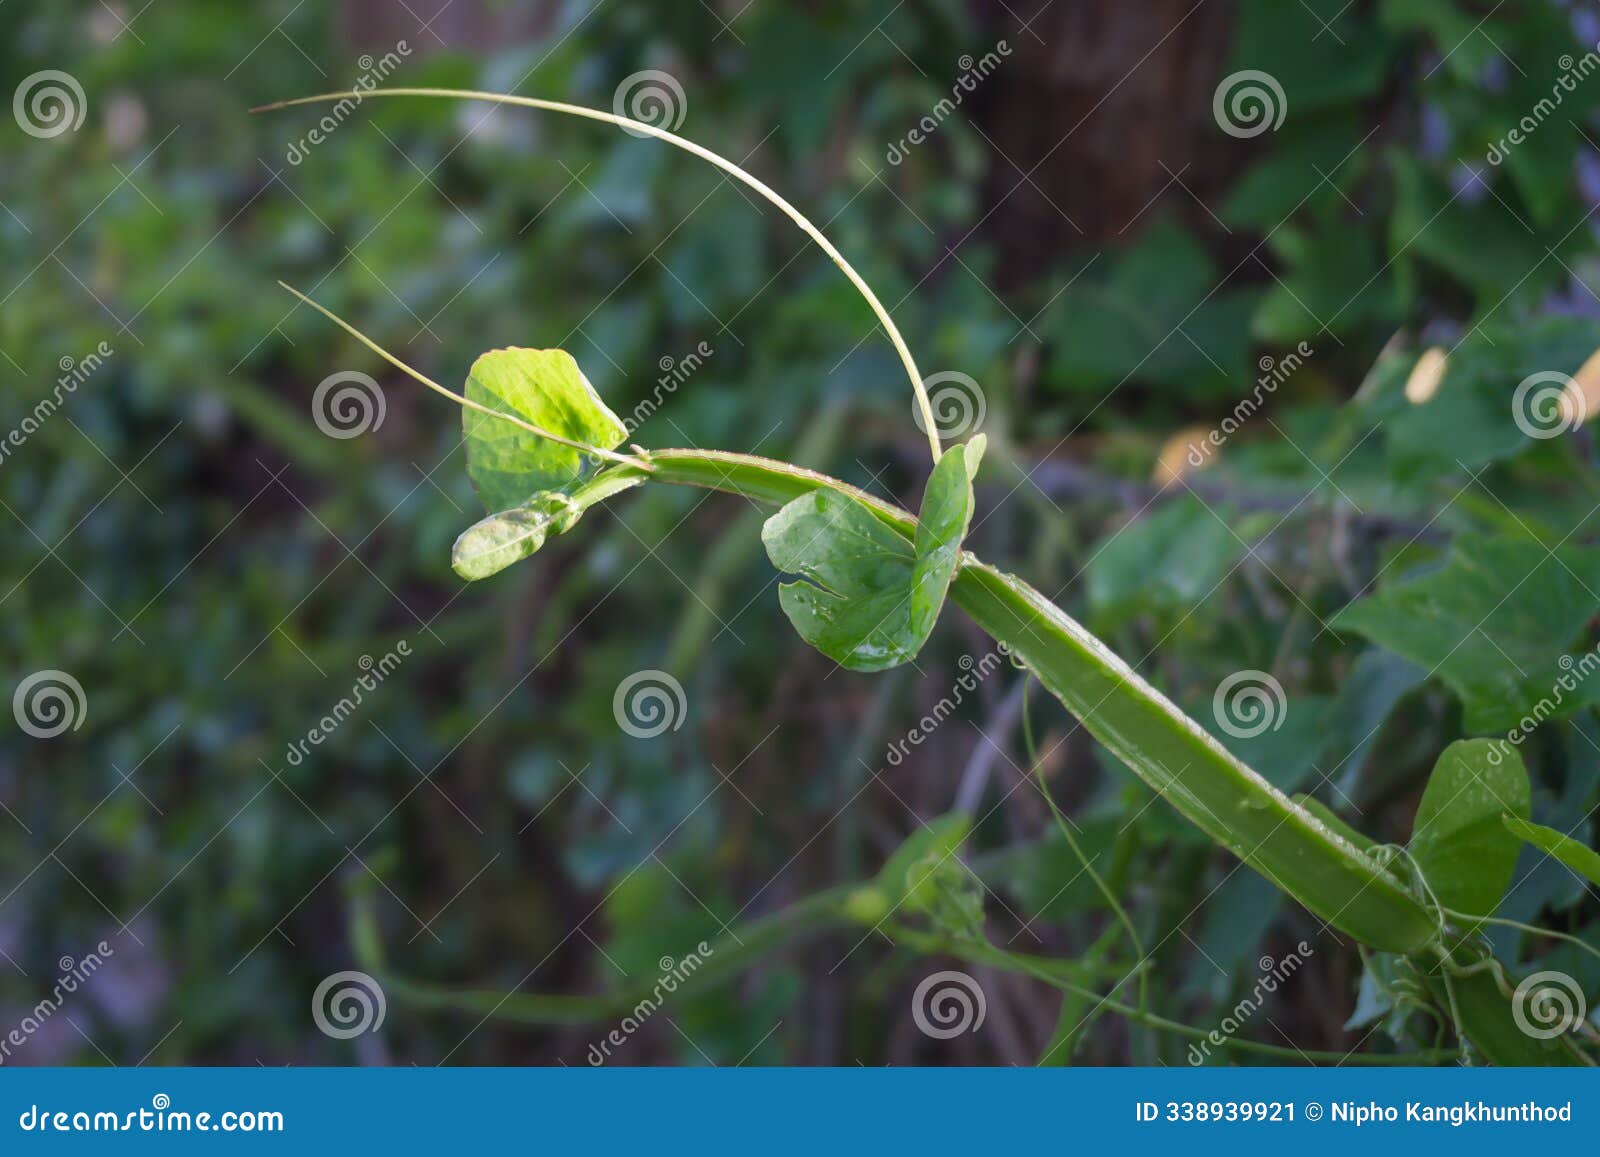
[1079, 237]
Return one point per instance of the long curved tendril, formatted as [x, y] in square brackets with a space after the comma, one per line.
[468, 403]
[924, 406]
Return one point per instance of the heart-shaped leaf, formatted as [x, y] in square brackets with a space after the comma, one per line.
[873, 597]
[1458, 840]
[1581, 858]
[508, 464]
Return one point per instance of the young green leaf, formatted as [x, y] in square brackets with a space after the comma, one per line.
[507, 464]
[1458, 841]
[489, 546]
[1581, 858]
[941, 525]
[873, 597]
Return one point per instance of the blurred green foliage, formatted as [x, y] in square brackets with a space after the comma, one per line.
[214, 569]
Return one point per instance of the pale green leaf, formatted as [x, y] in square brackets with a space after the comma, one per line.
[508, 464]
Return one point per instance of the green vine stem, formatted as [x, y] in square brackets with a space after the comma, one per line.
[729, 956]
[1168, 750]
[1173, 754]
[1233, 804]
[924, 406]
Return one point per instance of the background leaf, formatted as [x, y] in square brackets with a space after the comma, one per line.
[1458, 840]
[1494, 623]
